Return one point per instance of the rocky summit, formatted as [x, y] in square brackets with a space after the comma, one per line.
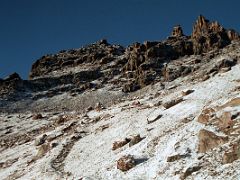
[155, 110]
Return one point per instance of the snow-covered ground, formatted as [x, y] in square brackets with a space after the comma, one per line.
[82, 144]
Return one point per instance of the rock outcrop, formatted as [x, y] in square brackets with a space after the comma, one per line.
[177, 31]
[208, 36]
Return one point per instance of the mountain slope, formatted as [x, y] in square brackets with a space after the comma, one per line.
[174, 115]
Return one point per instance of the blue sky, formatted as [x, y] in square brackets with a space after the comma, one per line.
[32, 28]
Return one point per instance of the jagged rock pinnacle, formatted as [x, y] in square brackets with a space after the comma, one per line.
[177, 31]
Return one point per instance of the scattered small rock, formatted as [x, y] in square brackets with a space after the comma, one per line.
[54, 144]
[135, 139]
[37, 116]
[159, 103]
[153, 118]
[174, 158]
[136, 103]
[189, 171]
[43, 149]
[40, 140]
[187, 92]
[90, 108]
[60, 120]
[205, 77]
[99, 106]
[225, 69]
[126, 162]
[172, 103]
[119, 144]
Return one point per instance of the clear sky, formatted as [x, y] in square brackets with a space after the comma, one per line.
[32, 28]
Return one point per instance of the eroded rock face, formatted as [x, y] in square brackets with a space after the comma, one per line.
[207, 36]
[208, 140]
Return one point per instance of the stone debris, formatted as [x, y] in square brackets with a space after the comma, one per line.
[40, 140]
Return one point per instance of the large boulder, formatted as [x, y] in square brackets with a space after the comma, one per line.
[208, 140]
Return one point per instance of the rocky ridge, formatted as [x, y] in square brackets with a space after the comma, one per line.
[127, 69]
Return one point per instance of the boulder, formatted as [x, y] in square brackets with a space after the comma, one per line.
[126, 162]
[172, 103]
[208, 140]
[119, 144]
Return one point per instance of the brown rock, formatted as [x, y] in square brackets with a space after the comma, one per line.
[37, 116]
[126, 162]
[232, 155]
[177, 31]
[232, 35]
[41, 140]
[135, 139]
[208, 35]
[205, 116]
[225, 122]
[60, 120]
[172, 103]
[187, 92]
[208, 140]
[43, 149]
[119, 144]
[174, 158]
[189, 171]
